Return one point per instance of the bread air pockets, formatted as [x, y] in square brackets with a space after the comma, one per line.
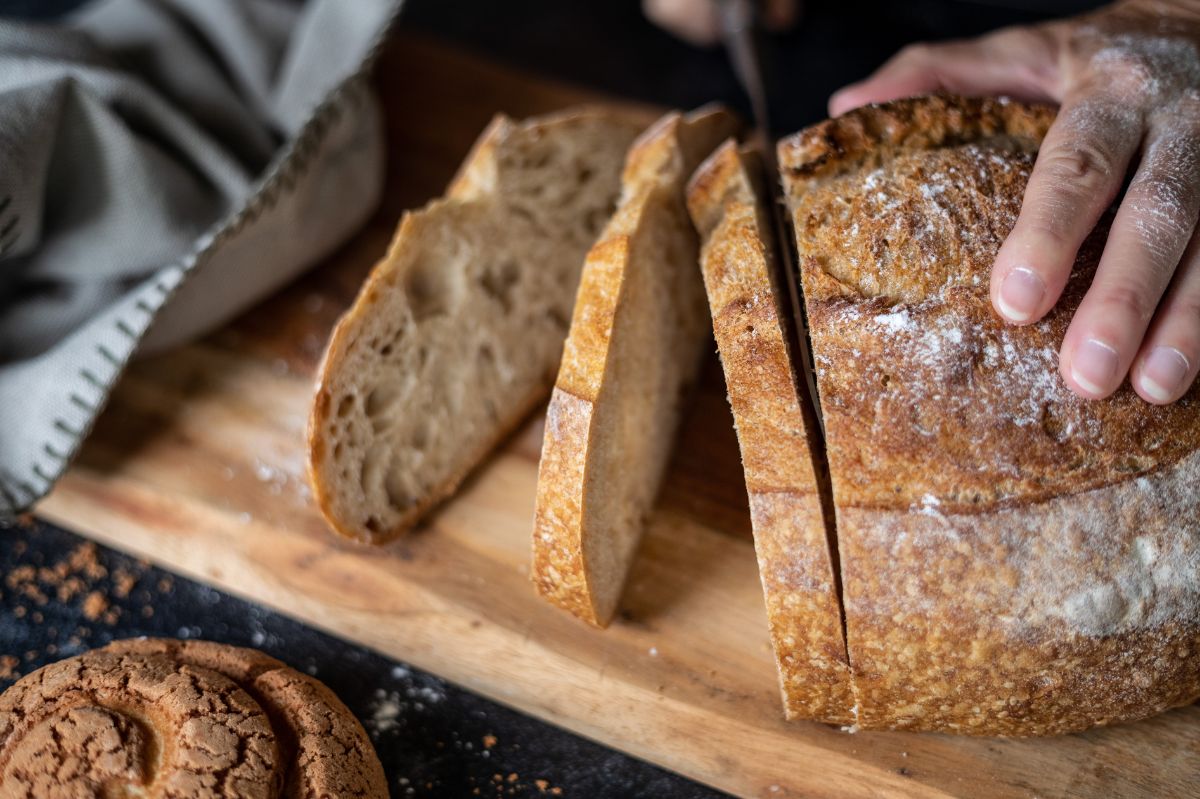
[638, 333]
[458, 331]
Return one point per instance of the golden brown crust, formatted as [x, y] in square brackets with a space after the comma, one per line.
[180, 719]
[790, 534]
[575, 451]
[1003, 542]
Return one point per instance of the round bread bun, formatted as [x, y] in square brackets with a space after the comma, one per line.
[164, 718]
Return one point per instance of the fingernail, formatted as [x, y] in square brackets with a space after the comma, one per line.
[1021, 294]
[1094, 366]
[1163, 373]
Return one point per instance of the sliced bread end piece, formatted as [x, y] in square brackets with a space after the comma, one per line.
[457, 333]
[776, 435]
[638, 334]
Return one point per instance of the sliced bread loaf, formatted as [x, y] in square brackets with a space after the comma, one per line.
[777, 431]
[639, 330]
[457, 333]
[1016, 560]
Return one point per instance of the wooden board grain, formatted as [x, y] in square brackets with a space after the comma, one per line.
[198, 465]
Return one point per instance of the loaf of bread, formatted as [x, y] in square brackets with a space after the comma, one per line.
[776, 429]
[457, 334]
[638, 332]
[1015, 560]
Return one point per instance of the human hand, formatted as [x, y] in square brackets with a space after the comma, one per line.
[698, 21]
[1127, 79]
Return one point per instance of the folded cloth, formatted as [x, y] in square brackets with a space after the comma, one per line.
[163, 165]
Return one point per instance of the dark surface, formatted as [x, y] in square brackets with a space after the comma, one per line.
[432, 738]
[436, 744]
[610, 45]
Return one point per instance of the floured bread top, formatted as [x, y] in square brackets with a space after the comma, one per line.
[930, 399]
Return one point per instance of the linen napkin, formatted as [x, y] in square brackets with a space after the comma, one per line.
[164, 164]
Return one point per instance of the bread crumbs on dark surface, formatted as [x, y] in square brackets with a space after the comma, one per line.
[8, 667]
[489, 741]
[95, 604]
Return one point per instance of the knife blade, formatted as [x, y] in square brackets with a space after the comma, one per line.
[739, 21]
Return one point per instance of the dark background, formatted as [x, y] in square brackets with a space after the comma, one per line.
[434, 739]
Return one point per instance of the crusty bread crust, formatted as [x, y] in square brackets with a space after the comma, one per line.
[1016, 560]
[577, 565]
[471, 192]
[726, 201]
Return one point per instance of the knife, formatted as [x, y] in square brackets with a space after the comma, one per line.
[739, 22]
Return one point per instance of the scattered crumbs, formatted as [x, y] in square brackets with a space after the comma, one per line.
[19, 611]
[123, 583]
[165, 585]
[774, 789]
[400, 672]
[384, 712]
[426, 694]
[95, 605]
[489, 741]
[8, 667]
[653, 651]
[542, 785]
[904, 754]
[513, 777]
[147, 611]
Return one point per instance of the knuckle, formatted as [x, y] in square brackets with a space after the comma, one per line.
[1125, 70]
[1081, 163]
[1125, 300]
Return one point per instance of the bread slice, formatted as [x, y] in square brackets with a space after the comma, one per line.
[457, 333]
[637, 335]
[1016, 560]
[777, 433]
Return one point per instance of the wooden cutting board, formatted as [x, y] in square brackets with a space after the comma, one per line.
[198, 465]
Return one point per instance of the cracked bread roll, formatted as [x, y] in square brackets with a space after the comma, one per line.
[637, 337]
[1015, 560]
[456, 335]
[180, 719]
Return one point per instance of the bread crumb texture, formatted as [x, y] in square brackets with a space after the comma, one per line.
[162, 718]
[457, 333]
[1016, 560]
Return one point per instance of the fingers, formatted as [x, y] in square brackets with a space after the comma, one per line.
[1156, 220]
[1021, 62]
[1079, 170]
[1169, 358]
[694, 21]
